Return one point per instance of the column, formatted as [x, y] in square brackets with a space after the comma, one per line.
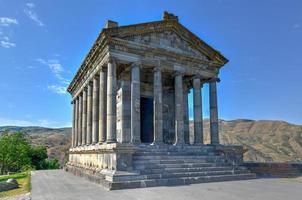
[111, 102]
[73, 124]
[157, 104]
[76, 102]
[84, 118]
[213, 112]
[135, 103]
[179, 116]
[186, 115]
[95, 110]
[102, 106]
[198, 129]
[89, 114]
[80, 120]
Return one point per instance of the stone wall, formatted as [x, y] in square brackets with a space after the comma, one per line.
[275, 169]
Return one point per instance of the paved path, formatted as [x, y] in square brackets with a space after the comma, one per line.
[57, 185]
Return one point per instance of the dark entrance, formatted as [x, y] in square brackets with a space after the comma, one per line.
[146, 120]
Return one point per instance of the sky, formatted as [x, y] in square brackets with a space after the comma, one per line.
[42, 44]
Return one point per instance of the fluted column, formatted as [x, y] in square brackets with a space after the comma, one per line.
[102, 106]
[198, 129]
[111, 102]
[84, 117]
[213, 112]
[95, 110]
[73, 123]
[157, 104]
[179, 117]
[186, 115]
[76, 103]
[80, 121]
[89, 114]
[135, 103]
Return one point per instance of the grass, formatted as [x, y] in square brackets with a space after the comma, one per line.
[23, 179]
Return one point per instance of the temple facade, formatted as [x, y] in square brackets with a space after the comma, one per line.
[130, 109]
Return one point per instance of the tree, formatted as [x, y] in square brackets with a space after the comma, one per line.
[38, 157]
[14, 152]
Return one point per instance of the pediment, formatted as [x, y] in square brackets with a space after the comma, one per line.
[168, 40]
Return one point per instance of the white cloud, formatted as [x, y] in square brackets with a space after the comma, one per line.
[5, 21]
[7, 44]
[31, 67]
[54, 65]
[57, 89]
[39, 122]
[29, 11]
[296, 26]
[57, 69]
[30, 5]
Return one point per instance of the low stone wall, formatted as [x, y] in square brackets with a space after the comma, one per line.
[275, 169]
[232, 153]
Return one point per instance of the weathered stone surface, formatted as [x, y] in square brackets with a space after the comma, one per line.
[111, 101]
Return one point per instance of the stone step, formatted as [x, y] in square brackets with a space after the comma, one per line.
[177, 175]
[199, 169]
[173, 154]
[178, 181]
[179, 161]
[171, 157]
[185, 165]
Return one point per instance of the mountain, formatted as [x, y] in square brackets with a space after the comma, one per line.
[265, 140]
[56, 140]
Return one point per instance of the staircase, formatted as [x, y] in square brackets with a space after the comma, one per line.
[163, 167]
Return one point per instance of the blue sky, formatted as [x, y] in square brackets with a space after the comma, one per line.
[42, 44]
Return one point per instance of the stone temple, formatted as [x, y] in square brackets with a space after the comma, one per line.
[130, 109]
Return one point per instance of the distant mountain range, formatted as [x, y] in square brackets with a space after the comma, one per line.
[266, 140]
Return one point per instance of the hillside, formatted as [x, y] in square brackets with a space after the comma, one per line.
[265, 140]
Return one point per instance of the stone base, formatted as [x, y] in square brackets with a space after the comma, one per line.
[120, 166]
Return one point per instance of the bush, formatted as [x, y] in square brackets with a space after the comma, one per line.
[52, 163]
[38, 156]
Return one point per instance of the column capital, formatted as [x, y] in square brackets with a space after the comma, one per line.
[196, 77]
[103, 69]
[111, 60]
[215, 79]
[178, 73]
[136, 64]
[157, 69]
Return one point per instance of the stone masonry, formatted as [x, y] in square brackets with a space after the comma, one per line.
[130, 109]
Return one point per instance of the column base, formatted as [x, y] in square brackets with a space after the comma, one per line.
[110, 142]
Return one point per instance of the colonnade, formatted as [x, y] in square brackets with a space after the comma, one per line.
[94, 108]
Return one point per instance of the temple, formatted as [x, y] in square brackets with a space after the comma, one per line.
[130, 123]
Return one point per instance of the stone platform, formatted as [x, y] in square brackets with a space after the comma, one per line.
[126, 166]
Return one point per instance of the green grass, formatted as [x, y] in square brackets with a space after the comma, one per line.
[15, 176]
[23, 179]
